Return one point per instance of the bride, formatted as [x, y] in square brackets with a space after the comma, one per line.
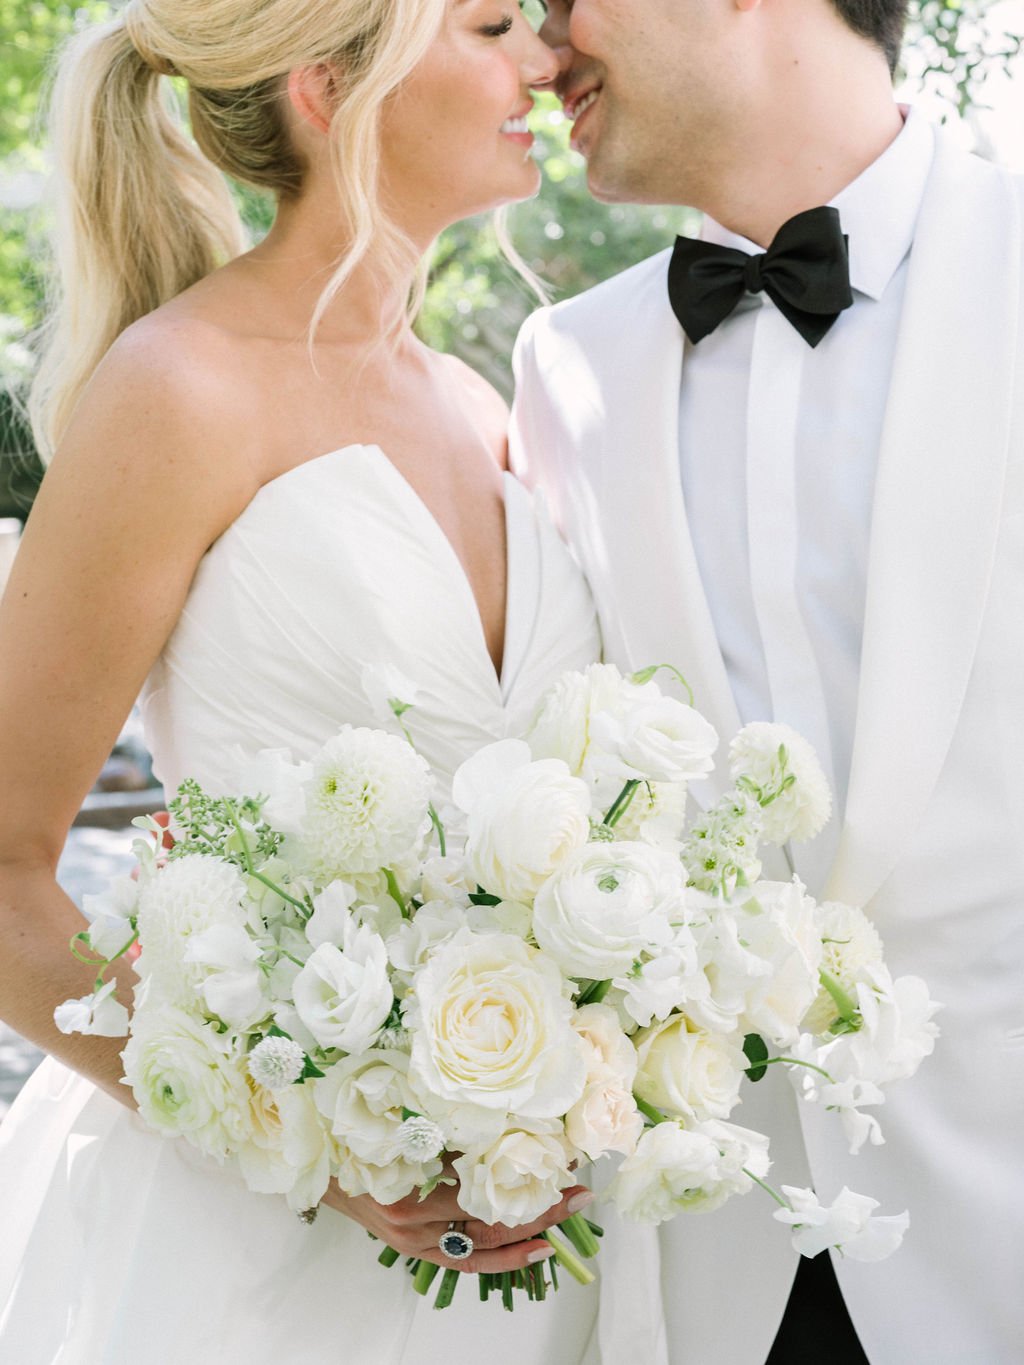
[262, 483]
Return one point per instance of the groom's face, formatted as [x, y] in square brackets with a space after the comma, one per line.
[647, 84]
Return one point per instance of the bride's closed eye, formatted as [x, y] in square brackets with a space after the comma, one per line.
[498, 30]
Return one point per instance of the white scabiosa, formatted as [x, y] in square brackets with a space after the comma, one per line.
[276, 1063]
[366, 803]
[766, 754]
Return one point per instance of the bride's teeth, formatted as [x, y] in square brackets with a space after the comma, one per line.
[514, 125]
[584, 103]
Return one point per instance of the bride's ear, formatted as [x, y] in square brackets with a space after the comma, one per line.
[313, 94]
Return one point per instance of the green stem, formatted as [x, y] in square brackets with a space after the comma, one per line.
[844, 1003]
[279, 891]
[577, 1229]
[389, 1256]
[648, 1111]
[795, 1061]
[435, 820]
[568, 1260]
[506, 1291]
[426, 1272]
[783, 1203]
[620, 805]
[594, 993]
[449, 1284]
[394, 892]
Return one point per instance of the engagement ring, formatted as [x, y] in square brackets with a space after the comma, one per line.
[455, 1244]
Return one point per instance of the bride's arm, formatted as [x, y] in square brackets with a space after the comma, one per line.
[138, 490]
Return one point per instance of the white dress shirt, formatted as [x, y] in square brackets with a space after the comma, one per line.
[778, 450]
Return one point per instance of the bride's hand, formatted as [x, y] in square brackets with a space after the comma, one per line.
[414, 1227]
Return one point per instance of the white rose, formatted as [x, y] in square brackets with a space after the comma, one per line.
[188, 1079]
[687, 1072]
[848, 1224]
[110, 916]
[606, 1119]
[343, 995]
[609, 1055]
[100, 1014]
[607, 905]
[186, 897]
[518, 1178]
[674, 1170]
[655, 738]
[766, 754]
[524, 818]
[851, 944]
[366, 804]
[362, 1099]
[289, 1150]
[491, 1027]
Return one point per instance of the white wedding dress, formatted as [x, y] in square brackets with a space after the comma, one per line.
[118, 1247]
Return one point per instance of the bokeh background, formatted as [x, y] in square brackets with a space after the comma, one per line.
[963, 60]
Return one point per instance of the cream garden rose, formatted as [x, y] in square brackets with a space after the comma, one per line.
[518, 1178]
[688, 1072]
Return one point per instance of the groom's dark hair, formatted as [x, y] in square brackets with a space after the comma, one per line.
[883, 21]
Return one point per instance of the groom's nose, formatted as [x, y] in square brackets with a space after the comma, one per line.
[555, 32]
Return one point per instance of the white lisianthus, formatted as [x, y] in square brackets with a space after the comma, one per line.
[848, 1224]
[850, 945]
[687, 1072]
[675, 1170]
[276, 1062]
[605, 1119]
[110, 916]
[366, 804]
[766, 753]
[232, 985]
[606, 906]
[185, 898]
[673, 979]
[525, 818]
[362, 1099]
[518, 1178]
[491, 1026]
[188, 1079]
[655, 738]
[343, 995]
[897, 1030]
[99, 1014]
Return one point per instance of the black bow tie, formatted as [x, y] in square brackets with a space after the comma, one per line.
[805, 272]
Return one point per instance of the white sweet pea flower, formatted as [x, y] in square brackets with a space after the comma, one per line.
[798, 811]
[518, 1178]
[673, 979]
[491, 1027]
[343, 995]
[675, 1170]
[686, 1072]
[851, 944]
[608, 905]
[524, 818]
[188, 1080]
[897, 1030]
[100, 1014]
[275, 774]
[848, 1224]
[387, 689]
[366, 804]
[656, 738]
[232, 984]
[110, 916]
[330, 917]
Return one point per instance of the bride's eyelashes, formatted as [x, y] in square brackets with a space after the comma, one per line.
[498, 30]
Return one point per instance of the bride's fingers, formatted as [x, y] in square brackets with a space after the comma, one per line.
[431, 1217]
[515, 1257]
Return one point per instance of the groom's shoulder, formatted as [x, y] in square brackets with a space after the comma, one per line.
[612, 302]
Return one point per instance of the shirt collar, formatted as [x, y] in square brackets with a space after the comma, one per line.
[878, 210]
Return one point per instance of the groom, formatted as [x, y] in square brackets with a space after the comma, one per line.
[799, 476]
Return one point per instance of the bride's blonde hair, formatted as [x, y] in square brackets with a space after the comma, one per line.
[142, 211]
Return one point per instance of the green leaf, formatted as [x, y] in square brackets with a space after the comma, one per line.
[310, 1071]
[755, 1050]
[482, 897]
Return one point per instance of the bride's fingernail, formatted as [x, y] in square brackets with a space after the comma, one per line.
[580, 1201]
[541, 1254]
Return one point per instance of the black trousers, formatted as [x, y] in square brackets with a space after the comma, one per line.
[816, 1326]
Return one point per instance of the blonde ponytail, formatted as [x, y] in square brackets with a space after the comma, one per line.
[139, 214]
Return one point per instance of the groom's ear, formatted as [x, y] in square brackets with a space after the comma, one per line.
[313, 94]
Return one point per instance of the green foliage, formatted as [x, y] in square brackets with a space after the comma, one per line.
[220, 827]
[953, 45]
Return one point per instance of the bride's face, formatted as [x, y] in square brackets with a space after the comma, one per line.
[453, 136]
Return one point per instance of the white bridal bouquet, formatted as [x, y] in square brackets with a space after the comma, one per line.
[335, 983]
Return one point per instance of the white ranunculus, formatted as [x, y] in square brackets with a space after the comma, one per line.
[799, 811]
[516, 1179]
[687, 1072]
[765, 960]
[673, 979]
[491, 1027]
[366, 804]
[343, 995]
[561, 728]
[850, 944]
[849, 1224]
[362, 1099]
[608, 1053]
[658, 739]
[608, 905]
[232, 985]
[184, 899]
[896, 1034]
[675, 1170]
[110, 916]
[100, 1014]
[605, 1119]
[188, 1079]
[524, 818]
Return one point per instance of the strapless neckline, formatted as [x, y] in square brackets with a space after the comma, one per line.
[514, 497]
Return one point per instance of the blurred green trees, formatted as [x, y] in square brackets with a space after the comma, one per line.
[475, 301]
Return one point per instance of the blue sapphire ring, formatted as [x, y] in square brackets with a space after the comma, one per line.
[455, 1244]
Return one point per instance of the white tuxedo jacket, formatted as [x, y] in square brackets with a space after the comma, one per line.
[933, 840]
